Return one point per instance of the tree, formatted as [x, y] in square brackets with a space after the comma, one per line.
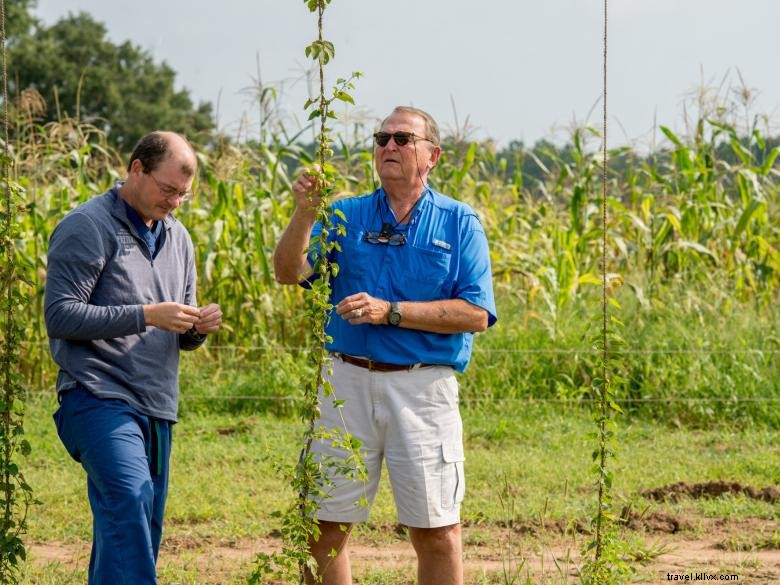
[82, 74]
[18, 20]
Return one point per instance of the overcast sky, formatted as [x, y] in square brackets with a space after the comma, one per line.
[516, 69]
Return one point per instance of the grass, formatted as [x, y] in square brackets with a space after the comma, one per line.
[753, 542]
[225, 484]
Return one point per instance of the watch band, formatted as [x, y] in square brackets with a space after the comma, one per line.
[394, 317]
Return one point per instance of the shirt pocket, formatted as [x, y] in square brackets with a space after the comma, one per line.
[425, 275]
[353, 259]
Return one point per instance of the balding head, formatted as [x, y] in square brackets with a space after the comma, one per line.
[159, 146]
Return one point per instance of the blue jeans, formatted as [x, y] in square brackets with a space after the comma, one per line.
[125, 455]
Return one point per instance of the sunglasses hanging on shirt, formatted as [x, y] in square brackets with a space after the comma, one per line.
[387, 236]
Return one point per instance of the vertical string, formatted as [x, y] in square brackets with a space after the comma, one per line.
[604, 206]
[604, 386]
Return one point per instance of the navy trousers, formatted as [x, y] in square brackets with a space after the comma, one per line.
[126, 456]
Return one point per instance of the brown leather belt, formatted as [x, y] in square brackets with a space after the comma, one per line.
[373, 366]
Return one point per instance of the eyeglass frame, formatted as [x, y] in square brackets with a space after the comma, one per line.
[168, 191]
[404, 136]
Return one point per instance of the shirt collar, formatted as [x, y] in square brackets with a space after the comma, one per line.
[139, 224]
[422, 202]
[119, 210]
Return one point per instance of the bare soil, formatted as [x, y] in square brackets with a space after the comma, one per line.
[667, 546]
[711, 489]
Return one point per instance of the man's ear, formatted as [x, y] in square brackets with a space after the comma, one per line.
[136, 167]
[435, 154]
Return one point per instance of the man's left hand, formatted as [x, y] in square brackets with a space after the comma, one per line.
[363, 309]
[210, 319]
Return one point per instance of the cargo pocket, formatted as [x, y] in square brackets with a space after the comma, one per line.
[453, 481]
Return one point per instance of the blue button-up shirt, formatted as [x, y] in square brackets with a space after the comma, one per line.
[445, 257]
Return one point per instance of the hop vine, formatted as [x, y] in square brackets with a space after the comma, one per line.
[309, 479]
[16, 495]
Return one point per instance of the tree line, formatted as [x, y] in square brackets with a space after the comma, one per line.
[72, 69]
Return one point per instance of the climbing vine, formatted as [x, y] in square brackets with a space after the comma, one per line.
[309, 479]
[15, 494]
[605, 563]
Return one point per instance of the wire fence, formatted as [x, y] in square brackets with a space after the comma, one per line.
[495, 399]
[541, 350]
[531, 350]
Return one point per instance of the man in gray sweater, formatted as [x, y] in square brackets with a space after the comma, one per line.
[120, 305]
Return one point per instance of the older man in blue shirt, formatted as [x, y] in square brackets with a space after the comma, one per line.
[413, 286]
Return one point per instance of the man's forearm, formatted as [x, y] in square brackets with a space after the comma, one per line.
[446, 316]
[290, 262]
[81, 321]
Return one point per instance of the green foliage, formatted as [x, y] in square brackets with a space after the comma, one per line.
[604, 553]
[18, 20]
[15, 493]
[677, 303]
[80, 73]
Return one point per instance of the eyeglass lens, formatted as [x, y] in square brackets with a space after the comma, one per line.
[401, 138]
[389, 239]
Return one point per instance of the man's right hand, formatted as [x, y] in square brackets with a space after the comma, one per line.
[171, 316]
[305, 190]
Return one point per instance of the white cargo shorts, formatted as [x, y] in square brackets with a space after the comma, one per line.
[412, 421]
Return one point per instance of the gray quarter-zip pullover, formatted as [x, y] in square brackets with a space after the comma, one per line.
[99, 277]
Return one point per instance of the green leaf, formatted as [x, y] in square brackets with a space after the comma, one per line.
[696, 246]
[770, 160]
[754, 206]
[344, 97]
[588, 278]
[671, 136]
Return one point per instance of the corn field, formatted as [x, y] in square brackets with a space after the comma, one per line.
[694, 257]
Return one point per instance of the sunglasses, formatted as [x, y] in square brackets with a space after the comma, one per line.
[387, 236]
[401, 138]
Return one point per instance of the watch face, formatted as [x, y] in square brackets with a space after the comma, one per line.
[394, 318]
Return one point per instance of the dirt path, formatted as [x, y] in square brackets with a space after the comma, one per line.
[715, 547]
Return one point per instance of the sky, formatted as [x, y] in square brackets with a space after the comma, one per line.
[499, 69]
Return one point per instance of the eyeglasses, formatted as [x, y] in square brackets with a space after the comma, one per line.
[170, 192]
[401, 138]
[387, 236]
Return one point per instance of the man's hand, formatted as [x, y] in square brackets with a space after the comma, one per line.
[307, 196]
[362, 308]
[210, 319]
[171, 316]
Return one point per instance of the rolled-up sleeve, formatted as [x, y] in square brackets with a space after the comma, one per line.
[474, 282]
[76, 259]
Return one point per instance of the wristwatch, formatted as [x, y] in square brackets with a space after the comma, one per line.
[394, 317]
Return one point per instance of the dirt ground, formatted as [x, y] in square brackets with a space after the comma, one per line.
[667, 547]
